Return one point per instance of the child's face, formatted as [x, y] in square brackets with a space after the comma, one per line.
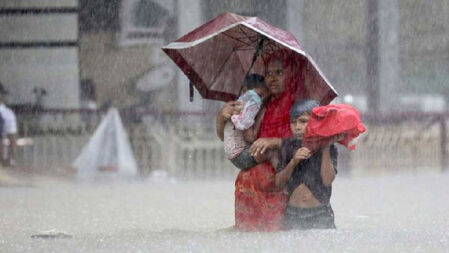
[298, 125]
[243, 91]
[262, 91]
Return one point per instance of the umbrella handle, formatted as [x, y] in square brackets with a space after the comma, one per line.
[191, 91]
[259, 49]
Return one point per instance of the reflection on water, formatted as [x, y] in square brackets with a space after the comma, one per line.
[377, 214]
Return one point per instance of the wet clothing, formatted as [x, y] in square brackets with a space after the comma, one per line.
[251, 105]
[308, 171]
[244, 160]
[321, 217]
[259, 206]
[330, 120]
[9, 121]
[234, 141]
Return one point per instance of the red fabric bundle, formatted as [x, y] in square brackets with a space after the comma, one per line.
[326, 122]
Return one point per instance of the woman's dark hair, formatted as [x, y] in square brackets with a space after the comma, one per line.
[254, 81]
[302, 106]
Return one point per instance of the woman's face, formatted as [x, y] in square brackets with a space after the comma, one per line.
[274, 77]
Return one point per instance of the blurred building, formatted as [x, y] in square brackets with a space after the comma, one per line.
[120, 50]
[39, 52]
[369, 48]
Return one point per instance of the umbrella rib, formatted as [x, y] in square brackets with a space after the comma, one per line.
[270, 45]
[245, 49]
[254, 38]
[264, 59]
[222, 66]
[237, 39]
[248, 36]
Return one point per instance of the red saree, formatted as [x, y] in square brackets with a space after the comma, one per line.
[258, 206]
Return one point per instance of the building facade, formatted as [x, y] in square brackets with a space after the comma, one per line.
[115, 46]
[39, 51]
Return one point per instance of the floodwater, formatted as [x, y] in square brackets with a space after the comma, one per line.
[395, 213]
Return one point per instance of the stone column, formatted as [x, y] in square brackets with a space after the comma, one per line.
[383, 66]
[389, 65]
[189, 18]
[372, 54]
[294, 18]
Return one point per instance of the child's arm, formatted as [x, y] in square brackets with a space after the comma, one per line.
[250, 134]
[246, 117]
[229, 109]
[328, 168]
[329, 165]
[284, 175]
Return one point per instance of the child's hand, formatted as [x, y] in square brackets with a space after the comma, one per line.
[230, 108]
[336, 138]
[339, 137]
[302, 154]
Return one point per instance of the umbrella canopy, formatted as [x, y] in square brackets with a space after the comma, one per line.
[217, 56]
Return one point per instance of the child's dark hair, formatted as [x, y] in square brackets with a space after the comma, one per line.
[302, 106]
[254, 81]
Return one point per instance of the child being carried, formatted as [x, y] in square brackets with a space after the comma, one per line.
[242, 129]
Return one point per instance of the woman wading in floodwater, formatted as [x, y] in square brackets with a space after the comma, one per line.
[259, 205]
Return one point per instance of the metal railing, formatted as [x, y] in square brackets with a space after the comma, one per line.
[185, 144]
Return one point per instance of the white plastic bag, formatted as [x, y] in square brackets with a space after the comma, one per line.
[108, 151]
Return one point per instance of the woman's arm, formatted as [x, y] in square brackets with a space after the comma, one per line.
[262, 144]
[228, 109]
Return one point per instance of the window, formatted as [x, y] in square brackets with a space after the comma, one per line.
[144, 21]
